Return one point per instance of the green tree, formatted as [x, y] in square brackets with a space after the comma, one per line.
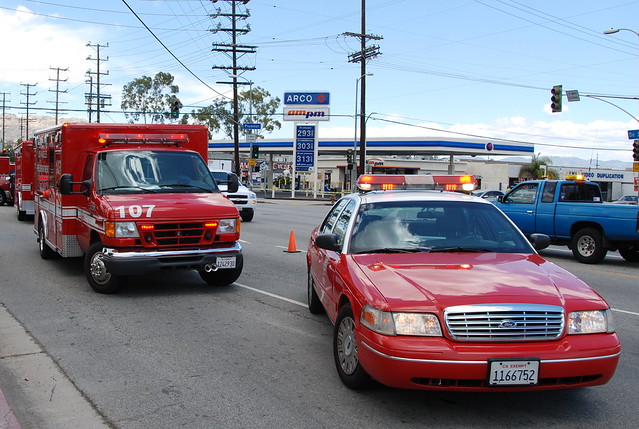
[149, 98]
[256, 105]
[537, 167]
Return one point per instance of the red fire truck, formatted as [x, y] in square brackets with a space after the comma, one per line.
[6, 170]
[23, 200]
[133, 199]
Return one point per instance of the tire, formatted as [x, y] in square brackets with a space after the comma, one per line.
[223, 277]
[587, 246]
[99, 278]
[3, 197]
[630, 254]
[247, 215]
[22, 215]
[345, 352]
[45, 251]
[314, 304]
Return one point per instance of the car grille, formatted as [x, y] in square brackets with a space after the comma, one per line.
[178, 234]
[238, 199]
[504, 322]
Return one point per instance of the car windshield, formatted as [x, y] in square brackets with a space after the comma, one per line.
[434, 226]
[148, 171]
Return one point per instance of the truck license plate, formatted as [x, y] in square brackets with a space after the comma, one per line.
[513, 372]
[226, 262]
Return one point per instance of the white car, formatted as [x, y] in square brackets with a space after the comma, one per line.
[244, 198]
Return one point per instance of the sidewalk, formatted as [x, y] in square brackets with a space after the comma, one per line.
[34, 392]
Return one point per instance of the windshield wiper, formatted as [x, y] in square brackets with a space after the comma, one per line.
[113, 188]
[182, 185]
[396, 250]
[461, 250]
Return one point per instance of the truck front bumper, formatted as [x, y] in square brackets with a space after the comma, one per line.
[125, 263]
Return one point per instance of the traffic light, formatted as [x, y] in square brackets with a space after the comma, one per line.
[175, 108]
[349, 159]
[255, 151]
[555, 99]
[635, 150]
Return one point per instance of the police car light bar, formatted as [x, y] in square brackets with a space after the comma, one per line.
[115, 138]
[390, 182]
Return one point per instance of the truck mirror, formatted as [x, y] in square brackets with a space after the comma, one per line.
[66, 186]
[233, 183]
[500, 198]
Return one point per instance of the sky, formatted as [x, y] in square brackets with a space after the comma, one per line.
[453, 69]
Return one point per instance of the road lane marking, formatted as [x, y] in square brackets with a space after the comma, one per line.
[625, 311]
[272, 295]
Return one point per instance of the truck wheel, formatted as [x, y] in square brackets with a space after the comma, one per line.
[3, 198]
[247, 215]
[345, 351]
[22, 215]
[630, 254]
[96, 273]
[45, 251]
[587, 246]
[314, 304]
[223, 277]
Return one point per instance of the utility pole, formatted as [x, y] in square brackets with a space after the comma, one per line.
[89, 97]
[101, 100]
[28, 94]
[364, 54]
[57, 90]
[4, 105]
[235, 52]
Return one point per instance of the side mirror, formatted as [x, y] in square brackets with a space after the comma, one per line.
[539, 241]
[328, 242]
[66, 186]
[233, 184]
[500, 198]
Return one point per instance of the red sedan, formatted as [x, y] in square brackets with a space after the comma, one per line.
[439, 290]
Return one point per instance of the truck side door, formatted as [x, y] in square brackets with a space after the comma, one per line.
[545, 219]
[520, 206]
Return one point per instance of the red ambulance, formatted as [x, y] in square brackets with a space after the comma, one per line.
[132, 200]
[6, 170]
[24, 166]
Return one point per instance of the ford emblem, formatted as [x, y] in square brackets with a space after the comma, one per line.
[508, 324]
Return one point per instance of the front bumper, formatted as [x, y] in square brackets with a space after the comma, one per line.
[125, 263]
[439, 364]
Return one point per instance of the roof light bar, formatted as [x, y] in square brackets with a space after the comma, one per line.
[115, 138]
[389, 182]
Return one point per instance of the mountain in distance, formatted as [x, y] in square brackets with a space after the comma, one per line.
[569, 161]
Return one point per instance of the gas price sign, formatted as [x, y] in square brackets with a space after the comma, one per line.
[305, 144]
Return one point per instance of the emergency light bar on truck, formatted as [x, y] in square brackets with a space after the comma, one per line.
[395, 182]
[119, 138]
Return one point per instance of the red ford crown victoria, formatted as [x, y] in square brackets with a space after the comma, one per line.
[439, 290]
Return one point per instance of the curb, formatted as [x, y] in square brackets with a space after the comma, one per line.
[7, 419]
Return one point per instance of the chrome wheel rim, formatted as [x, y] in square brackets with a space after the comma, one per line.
[586, 246]
[98, 270]
[346, 346]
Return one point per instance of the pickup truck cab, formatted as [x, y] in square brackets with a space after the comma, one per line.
[572, 213]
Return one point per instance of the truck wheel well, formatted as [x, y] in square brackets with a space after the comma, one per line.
[94, 237]
[581, 225]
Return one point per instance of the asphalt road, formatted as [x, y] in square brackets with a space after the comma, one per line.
[170, 351]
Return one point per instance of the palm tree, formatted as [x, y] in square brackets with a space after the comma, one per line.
[538, 168]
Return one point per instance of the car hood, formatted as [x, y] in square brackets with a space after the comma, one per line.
[167, 207]
[433, 281]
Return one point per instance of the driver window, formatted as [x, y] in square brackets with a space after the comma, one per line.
[524, 194]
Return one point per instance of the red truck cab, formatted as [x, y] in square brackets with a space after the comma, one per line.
[24, 167]
[6, 179]
[133, 199]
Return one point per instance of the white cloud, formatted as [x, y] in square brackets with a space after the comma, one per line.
[31, 46]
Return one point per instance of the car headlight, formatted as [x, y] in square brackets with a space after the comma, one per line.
[388, 323]
[590, 322]
[227, 226]
[121, 230]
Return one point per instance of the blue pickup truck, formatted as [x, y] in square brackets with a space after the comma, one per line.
[572, 213]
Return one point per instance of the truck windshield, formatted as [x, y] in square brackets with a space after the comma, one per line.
[139, 171]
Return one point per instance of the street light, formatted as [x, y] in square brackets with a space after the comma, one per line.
[354, 173]
[617, 30]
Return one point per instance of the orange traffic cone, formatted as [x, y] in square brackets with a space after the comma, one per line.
[292, 247]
